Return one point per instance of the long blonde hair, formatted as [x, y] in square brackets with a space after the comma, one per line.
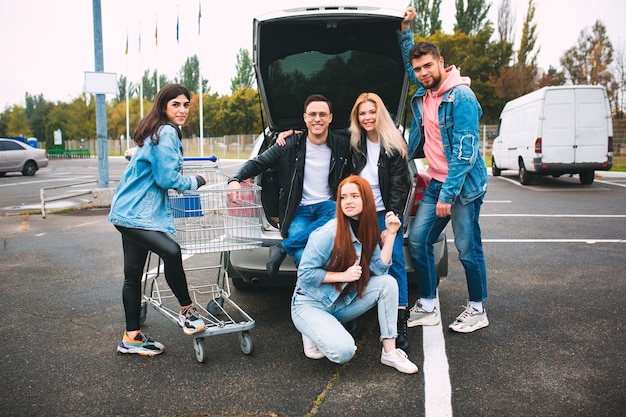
[388, 135]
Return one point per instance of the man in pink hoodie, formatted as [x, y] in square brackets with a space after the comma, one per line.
[445, 131]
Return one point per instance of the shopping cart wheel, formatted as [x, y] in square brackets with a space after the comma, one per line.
[198, 347]
[215, 305]
[246, 343]
[143, 311]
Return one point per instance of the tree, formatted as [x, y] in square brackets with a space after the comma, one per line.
[149, 85]
[620, 80]
[18, 123]
[244, 70]
[506, 22]
[588, 62]
[527, 56]
[470, 19]
[552, 77]
[427, 21]
[121, 89]
[189, 75]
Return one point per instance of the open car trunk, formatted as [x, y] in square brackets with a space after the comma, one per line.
[339, 52]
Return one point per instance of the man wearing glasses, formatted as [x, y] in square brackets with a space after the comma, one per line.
[310, 166]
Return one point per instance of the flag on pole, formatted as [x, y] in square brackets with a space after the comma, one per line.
[126, 52]
[156, 33]
[139, 50]
[199, 15]
[177, 27]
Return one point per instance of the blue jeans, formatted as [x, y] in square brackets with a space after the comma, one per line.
[307, 219]
[323, 324]
[467, 238]
[398, 266]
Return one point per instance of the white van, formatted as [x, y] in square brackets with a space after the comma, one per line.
[555, 131]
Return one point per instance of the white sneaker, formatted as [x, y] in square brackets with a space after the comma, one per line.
[420, 317]
[310, 348]
[398, 359]
[469, 320]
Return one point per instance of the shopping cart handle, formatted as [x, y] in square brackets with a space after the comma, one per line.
[212, 158]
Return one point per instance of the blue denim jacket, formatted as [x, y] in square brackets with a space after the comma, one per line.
[458, 114]
[315, 258]
[140, 200]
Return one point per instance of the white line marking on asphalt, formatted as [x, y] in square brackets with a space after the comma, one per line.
[592, 216]
[611, 183]
[13, 184]
[437, 386]
[590, 241]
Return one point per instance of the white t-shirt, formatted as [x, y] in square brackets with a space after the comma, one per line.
[315, 188]
[370, 172]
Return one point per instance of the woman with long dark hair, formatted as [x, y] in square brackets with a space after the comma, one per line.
[342, 274]
[141, 212]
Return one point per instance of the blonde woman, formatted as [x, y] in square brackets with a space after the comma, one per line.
[379, 155]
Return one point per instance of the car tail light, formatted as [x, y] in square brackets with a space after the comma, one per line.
[421, 182]
[610, 143]
[538, 145]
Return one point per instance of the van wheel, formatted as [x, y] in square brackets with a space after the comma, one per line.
[586, 177]
[495, 171]
[525, 177]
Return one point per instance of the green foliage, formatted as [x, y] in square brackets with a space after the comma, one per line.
[427, 21]
[244, 71]
[589, 61]
[496, 78]
[470, 19]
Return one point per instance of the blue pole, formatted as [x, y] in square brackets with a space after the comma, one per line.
[102, 144]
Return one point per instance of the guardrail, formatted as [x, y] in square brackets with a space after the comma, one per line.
[46, 199]
[68, 153]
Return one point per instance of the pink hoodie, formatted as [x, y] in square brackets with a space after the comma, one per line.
[433, 148]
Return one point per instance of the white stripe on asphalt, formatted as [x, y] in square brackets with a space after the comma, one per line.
[437, 387]
[592, 216]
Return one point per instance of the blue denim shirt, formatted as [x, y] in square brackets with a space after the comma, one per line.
[141, 200]
[315, 258]
[458, 115]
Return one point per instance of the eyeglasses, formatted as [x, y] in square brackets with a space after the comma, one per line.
[314, 115]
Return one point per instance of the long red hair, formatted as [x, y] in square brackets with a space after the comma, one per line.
[343, 254]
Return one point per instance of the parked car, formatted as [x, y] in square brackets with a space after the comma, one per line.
[18, 156]
[339, 52]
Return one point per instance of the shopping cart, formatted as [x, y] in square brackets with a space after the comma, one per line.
[206, 222]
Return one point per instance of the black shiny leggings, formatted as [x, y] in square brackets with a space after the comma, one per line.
[136, 243]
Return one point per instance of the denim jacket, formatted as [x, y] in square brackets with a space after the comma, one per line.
[141, 200]
[459, 113]
[315, 258]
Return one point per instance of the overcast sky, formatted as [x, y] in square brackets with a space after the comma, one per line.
[47, 45]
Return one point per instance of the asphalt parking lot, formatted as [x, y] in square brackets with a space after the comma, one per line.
[555, 345]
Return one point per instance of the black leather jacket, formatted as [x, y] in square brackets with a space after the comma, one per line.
[289, 161]
[393, 176]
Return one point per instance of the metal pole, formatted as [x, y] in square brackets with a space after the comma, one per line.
[101, 111]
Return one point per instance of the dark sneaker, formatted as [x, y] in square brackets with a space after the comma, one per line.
[402, 341]
[398, 359]
[276, 257]
[469, 320]
[140, 344]
[191, 322]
